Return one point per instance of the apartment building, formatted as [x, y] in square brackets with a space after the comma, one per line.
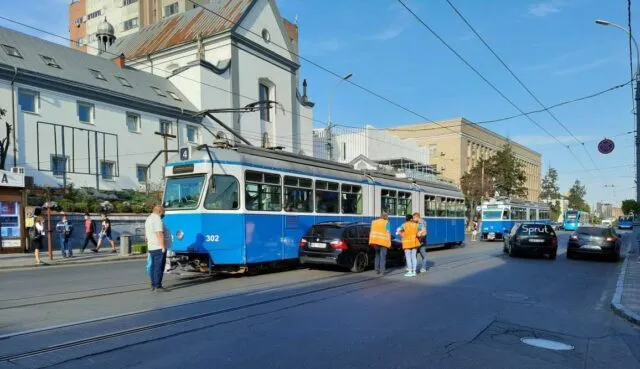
[127, 17]
[456, 145]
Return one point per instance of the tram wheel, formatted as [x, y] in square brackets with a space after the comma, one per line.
[360, 262]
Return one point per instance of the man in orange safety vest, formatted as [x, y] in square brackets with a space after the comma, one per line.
[380, 240]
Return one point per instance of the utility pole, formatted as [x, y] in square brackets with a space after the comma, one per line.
[166, 137]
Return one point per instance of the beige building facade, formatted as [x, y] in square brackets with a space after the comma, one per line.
[454, 146]
[127, 17]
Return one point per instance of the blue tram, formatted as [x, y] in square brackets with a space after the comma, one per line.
[575, 218]
[500, 215]
[236, 207]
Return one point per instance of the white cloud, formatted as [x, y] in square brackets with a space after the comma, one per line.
[322, 46]
[583, 67]
[547, 140]
[545, 8]
[387, 34]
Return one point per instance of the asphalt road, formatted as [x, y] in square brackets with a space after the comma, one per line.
[470, 310]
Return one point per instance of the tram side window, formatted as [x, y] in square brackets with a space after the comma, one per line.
[263, 191]
[505, 214]
[429, 206]
[460, 209]
[532, 214]
[351, 199]
[389, 201]
[327, 197]
[518, 213]
[441, 207]
[298, 194]
[404, 203]
[222, 193]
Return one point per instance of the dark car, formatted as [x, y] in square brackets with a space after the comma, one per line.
[530, 238]
[595, 240]
[339, 243]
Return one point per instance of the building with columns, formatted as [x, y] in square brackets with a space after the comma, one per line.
[456, 145]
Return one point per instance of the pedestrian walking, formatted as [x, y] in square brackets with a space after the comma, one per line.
[37, 239]
[154, 234]
[474, 231]
[410, 244]
[422, 237]
[65, 228]
[89, 230]
[380, 240]
[105, 234]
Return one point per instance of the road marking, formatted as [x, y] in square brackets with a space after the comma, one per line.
[546, 344]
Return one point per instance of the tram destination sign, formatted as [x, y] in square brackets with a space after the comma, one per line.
[606, 146]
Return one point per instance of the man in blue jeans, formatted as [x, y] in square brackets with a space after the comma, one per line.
[154, 233]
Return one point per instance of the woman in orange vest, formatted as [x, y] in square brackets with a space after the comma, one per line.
[410, 243]
[380, 240]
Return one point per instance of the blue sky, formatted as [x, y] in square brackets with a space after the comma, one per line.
[553, 46]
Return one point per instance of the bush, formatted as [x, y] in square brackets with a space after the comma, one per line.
[139, 248]
[66, 205]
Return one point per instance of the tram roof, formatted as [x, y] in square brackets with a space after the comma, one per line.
[268, 158]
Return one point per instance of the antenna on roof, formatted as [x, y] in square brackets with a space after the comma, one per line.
[295, 20]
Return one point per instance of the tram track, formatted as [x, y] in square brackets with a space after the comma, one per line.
[195, 280]
[218, 312]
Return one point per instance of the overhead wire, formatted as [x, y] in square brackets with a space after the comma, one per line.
[479, 74]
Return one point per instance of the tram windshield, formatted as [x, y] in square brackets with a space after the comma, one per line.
[492, 214]
[183, 192]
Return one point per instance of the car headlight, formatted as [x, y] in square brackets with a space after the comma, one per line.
[180, 235]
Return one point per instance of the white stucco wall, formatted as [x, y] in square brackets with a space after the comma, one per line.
[37, 141]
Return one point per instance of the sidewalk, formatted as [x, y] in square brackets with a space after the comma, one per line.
[626, 300]
[16, 261]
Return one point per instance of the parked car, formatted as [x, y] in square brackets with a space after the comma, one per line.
[531, 238]
[596, 240]
[340, 243]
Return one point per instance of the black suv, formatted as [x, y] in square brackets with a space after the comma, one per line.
[531, 238]
[339, 243]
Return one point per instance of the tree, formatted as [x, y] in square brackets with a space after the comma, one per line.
[577, 192]
[477, 185]
[630, 207]
[4, 143]
[508, 176]
[551, 191]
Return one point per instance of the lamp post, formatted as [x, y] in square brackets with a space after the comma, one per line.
[637, 98]
[329, 144]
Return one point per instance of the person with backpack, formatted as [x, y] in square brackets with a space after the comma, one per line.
[37, 235]
[89, 229]
[65, 228]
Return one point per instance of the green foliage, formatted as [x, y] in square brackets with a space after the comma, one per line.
[508, 176]
[139, 248]
[551, 191]
[630, 207]
[577, 192]
[87, 199]
[501, 173]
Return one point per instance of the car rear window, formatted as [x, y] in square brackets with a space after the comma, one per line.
[536, 229]
[592, 231]
[326, 231]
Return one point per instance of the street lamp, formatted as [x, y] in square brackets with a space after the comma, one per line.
[637, 98]
[329, 144]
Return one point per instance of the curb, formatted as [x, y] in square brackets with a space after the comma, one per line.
[616, 301]
[75, 263]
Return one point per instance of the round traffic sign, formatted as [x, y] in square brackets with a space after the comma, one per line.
[606, 146]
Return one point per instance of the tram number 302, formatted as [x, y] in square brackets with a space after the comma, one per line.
[212, 238]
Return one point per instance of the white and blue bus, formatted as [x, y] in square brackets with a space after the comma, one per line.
[500, 215]
[238, 207]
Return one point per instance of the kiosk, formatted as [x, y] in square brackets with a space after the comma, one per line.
[11, 212]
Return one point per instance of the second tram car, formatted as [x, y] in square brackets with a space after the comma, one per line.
[234, 208]
[500, 215]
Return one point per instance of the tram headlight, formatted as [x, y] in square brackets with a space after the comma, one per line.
[180, 235]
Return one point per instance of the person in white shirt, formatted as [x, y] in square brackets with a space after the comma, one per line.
[155, 236]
